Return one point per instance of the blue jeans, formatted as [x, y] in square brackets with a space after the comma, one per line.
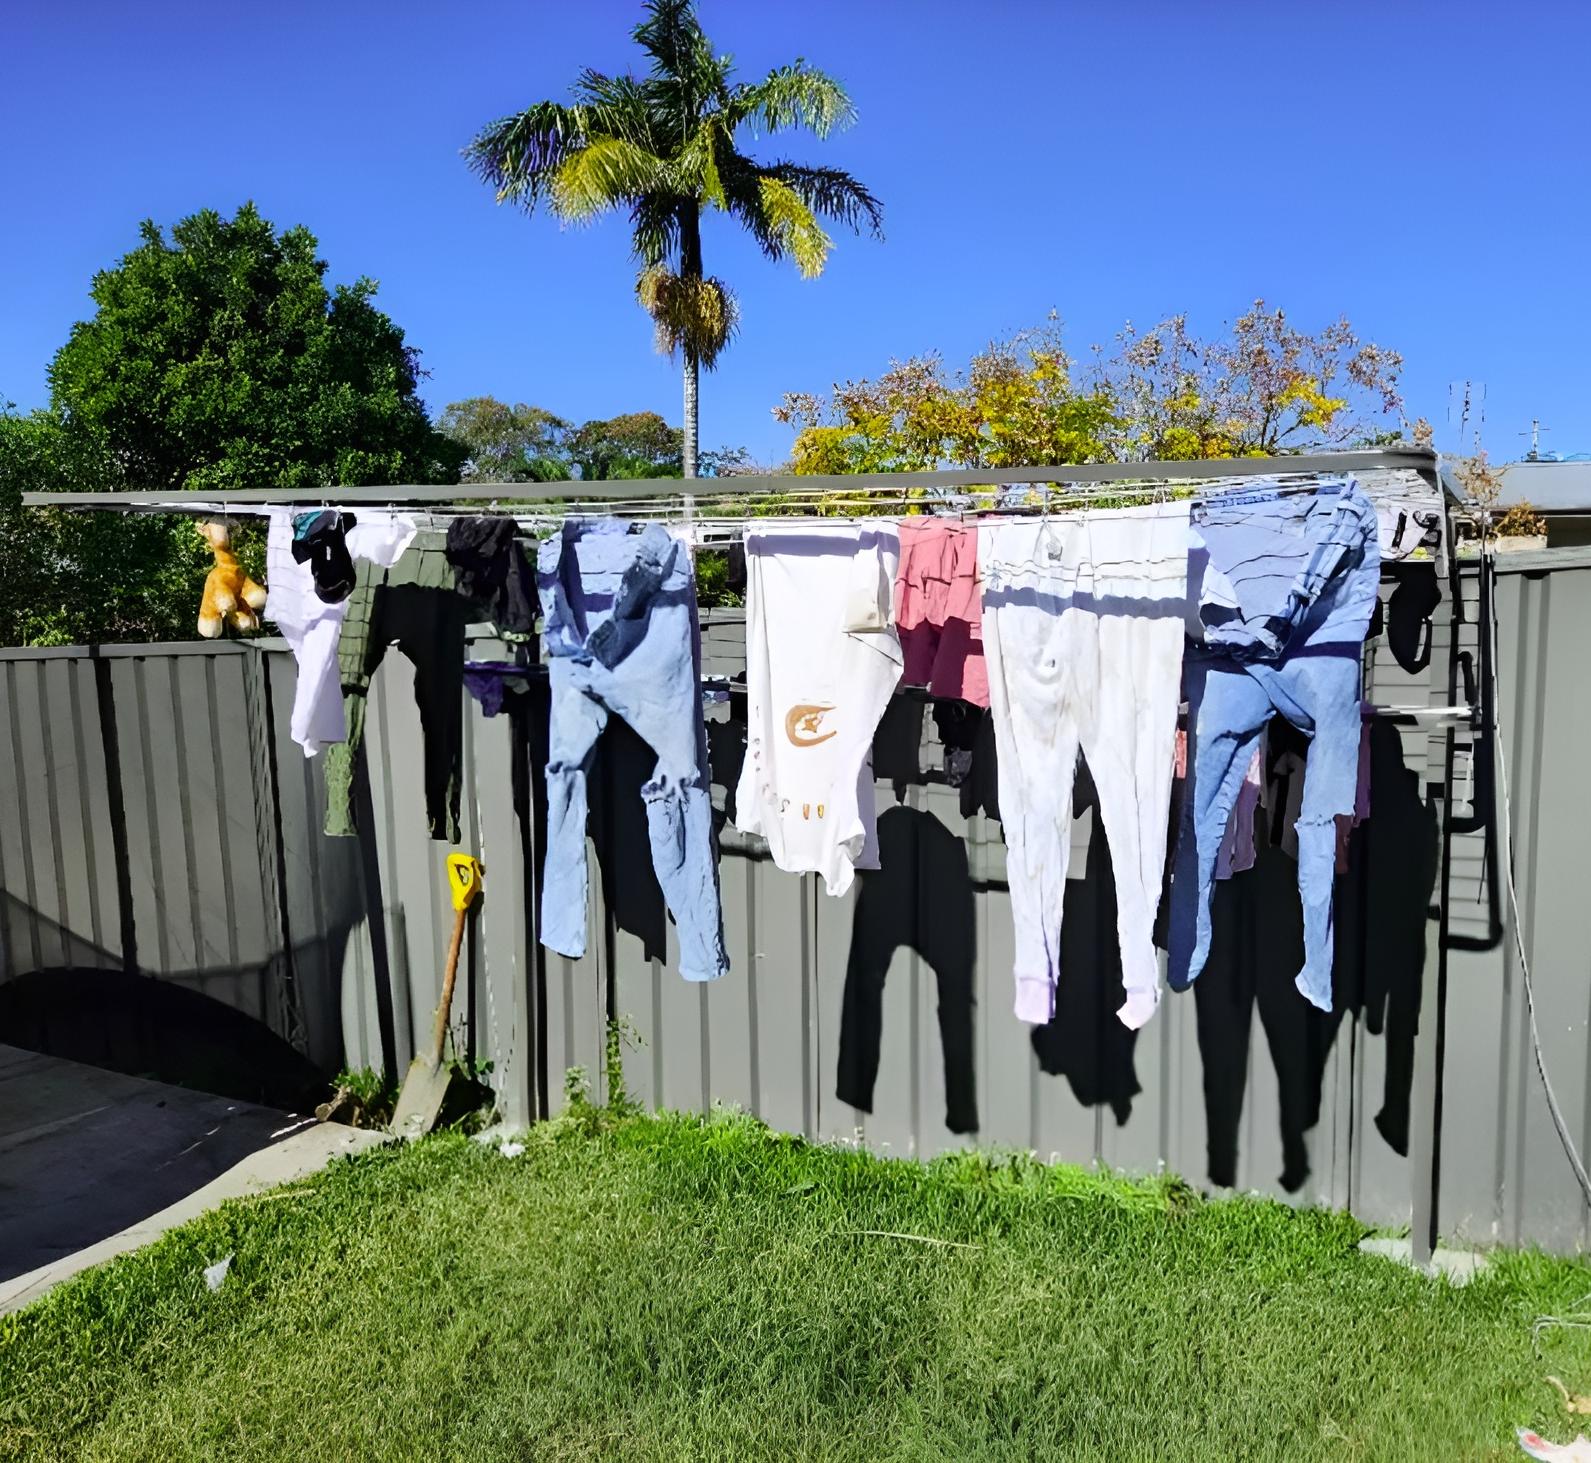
[621, 640]
[1290, 583]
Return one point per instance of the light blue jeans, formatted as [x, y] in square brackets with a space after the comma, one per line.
[621, 640]
[1287, 585]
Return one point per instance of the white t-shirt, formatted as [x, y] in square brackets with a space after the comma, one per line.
[311, 626]
[822, 660]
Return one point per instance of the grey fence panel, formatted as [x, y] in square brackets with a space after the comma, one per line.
[321, 895]
[1504, 1175]
[146, 750]
[1008, 1082]
[409, 861]
[84, 827]
[828, 926]
[1184, 1118]
[27, 926]
[58, 903]
[36, 938]
[501, 1012]
[152, 852]
[338, 944]
[71, 797]
[741, 1077]
[685, 1023]
[729, 1033]
[768, 926]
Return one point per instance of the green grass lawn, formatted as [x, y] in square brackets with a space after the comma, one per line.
[676, 1288]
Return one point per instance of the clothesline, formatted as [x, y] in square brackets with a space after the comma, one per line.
[1062, 616]
[1420, 470]
[1411, 492]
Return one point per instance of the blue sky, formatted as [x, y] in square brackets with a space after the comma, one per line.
[1424, 168]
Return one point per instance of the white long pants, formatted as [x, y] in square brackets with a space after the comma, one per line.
[312, 627]
[1083, 630]
[822, 660]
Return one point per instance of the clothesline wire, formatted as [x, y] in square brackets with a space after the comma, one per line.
[706, 526]
[710, 508]
[1403, 459]
[773, 495]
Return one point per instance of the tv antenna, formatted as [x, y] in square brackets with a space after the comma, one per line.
[1469, 397]
[1536, 429]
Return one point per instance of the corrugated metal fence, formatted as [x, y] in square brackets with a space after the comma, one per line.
[160, 824]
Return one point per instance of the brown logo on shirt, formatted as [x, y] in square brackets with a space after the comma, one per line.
[801, 725]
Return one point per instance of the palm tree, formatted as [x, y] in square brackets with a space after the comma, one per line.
[665, 147]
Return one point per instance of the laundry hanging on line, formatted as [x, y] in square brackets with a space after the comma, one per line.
[1083, 634]
[1071, 625]
[621, 639]
[823, 657]
[310, 612]
[1286, 586]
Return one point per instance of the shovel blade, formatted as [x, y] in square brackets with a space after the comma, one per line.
[420, 1102]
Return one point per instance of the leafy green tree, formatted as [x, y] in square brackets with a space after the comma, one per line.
[665, 147]
[637, 444]
[507, 444]
[1017, 404]
[522, 443]
[218, 358]
[75, 578]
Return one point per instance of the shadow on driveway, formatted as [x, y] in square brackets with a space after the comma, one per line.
[84, 1152]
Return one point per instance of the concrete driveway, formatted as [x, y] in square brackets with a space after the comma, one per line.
[93, 1163]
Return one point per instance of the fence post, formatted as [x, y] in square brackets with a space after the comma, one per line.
[116, 806]
[261, 715]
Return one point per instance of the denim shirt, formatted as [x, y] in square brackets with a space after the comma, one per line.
[1261, 559]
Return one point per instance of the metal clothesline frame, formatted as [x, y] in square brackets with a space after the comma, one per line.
[694, 499]
[1102, 478]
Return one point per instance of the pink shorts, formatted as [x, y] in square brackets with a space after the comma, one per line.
[939, 608]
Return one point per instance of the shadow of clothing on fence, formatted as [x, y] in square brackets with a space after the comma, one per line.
[919, 898]
[618, 828]
[1256, 948]
[1382, 908]
[1085, 1041]
[1384, 924]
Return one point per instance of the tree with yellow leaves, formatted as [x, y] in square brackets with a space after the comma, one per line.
[1266, 388]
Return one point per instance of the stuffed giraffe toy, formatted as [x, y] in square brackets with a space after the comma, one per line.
[230, 596]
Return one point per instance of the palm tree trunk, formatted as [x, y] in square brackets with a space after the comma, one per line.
[690, 267]
[688, 453]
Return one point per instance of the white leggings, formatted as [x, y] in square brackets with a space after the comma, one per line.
[1083, 630]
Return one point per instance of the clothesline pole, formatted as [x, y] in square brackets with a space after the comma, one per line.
[1429, 1084]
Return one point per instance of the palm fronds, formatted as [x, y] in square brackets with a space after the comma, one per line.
[687, 81]
[654, 228]
[792, 224]
[603, 175]
[831, 193]
[662, 145]
[797, 95]
[518, 156]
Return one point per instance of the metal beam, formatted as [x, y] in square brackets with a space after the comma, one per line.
[1406, 459]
